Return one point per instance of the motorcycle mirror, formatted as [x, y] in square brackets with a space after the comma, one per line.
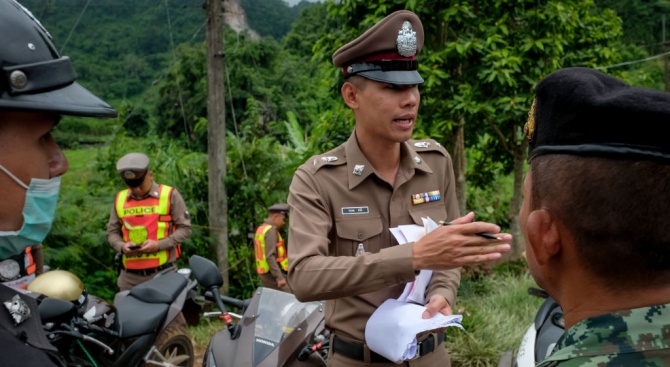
[55, 310]
[205, 271]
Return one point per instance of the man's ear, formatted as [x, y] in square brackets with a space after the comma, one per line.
[350, 94]
[543, 235]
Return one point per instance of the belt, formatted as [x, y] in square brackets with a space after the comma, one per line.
[150, 271]
[356, 350]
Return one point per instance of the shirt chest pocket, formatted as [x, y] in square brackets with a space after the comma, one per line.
[354, 232]
[435, 211]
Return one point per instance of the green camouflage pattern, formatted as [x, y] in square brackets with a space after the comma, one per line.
[628, 338]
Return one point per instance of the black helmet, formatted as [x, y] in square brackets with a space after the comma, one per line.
[33, 76]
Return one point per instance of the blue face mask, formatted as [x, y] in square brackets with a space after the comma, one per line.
[38, 215]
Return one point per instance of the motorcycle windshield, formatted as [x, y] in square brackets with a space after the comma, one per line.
[279, 313]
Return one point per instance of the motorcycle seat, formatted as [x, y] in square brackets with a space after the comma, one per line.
[138, 318]
[145, 307]
[162, 289]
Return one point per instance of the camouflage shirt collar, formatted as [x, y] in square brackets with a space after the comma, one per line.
[602, 338]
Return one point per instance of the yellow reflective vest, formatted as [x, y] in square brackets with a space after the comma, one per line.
[262, 265]
[146, 219]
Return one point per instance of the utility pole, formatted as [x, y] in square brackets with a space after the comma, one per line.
[665, 57]
[216, 136]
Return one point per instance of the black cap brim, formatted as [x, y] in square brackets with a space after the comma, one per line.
[71, 100]
[399, 77]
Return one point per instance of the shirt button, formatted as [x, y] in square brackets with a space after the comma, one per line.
[360, 235]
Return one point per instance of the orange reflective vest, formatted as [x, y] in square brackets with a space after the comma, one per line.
[262, 265]
[29, 261]
[146, 219]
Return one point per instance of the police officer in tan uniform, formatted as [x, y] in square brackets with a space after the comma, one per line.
[147, 223]
[270, 249]
[343, 203]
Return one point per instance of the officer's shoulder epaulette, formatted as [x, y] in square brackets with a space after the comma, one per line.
[334, 157]
[427, 145]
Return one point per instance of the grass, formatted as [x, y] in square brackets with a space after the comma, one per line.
[495, 317]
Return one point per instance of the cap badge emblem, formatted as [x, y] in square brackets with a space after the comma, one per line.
[529, 127]
[358, 169]
[18, 309]
[406, 40]
[129, 175]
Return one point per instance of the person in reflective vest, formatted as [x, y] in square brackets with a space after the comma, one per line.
[270, 251]
[147, 224]
[19, 270]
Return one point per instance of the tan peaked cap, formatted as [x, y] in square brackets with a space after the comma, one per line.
[132, 162]
[386, 52]
[280, 208]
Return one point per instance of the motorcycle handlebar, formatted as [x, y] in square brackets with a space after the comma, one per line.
[95, 328]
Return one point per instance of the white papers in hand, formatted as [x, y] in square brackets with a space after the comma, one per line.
[391, 330]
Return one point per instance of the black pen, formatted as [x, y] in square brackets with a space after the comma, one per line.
[480, 234]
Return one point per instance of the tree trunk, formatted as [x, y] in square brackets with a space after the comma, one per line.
[518, 243]
[216, 137]
[460, 165]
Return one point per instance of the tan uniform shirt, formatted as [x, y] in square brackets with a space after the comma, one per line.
[181, 221]
[340, 205]
[271, 238]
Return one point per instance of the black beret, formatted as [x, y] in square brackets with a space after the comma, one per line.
[386, 52]
[582, 111]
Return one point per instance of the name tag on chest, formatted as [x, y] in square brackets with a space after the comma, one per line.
[355, 210]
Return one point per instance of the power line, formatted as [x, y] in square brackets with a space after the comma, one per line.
[75, 25]
[633, 61]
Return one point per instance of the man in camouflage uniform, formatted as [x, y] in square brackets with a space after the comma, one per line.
[595, 216]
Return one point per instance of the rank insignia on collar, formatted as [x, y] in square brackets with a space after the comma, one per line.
[426, 197]
[417, 160]
[18, 309]
[329, 159]
[422, 144]
[358, 169]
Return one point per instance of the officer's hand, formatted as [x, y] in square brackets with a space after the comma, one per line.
[130, 249]
[281, 282]
[437, 304]
[455, 245]
[149, 247]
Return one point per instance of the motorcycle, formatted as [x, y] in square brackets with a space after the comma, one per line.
[274, 329]
[540, 337]
[143, 327]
